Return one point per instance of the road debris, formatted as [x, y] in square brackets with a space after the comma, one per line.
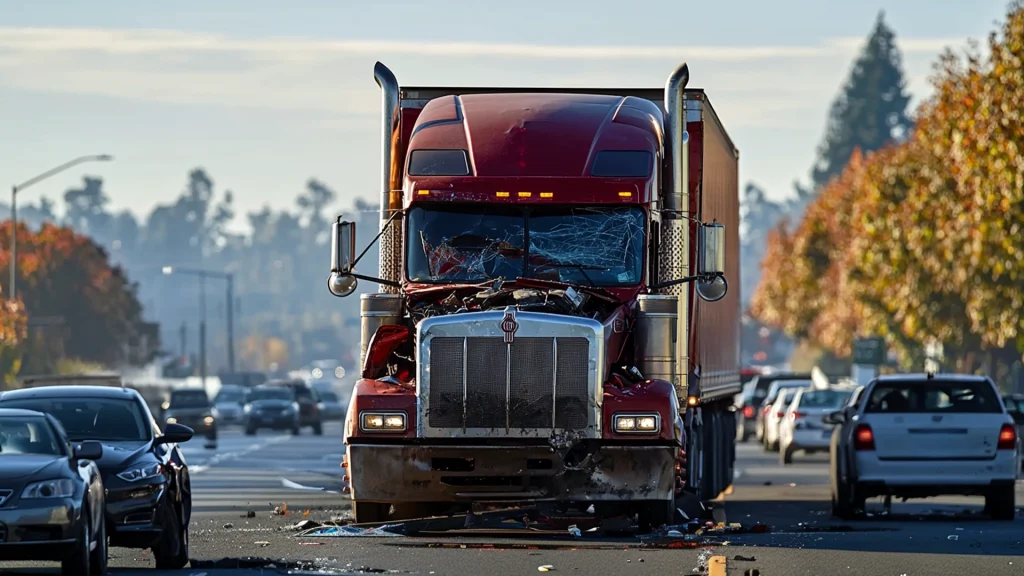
[346, 531]
[229, 526]
[739, 558]
[281, 510]
[545, 568]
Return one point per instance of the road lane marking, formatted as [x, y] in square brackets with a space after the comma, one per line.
[296, 486]
[716, 566]
[219, 458]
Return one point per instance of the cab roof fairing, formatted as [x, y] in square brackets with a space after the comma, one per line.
[542, 137]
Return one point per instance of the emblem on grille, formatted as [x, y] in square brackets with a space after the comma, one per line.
[4, 495]
[509, 325]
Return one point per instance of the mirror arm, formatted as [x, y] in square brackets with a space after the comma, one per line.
[366, 278]
[707, 277]
[383, 229]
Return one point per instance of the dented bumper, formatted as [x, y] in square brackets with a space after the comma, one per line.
[475, 473]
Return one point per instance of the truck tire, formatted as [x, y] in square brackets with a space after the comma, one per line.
[370, 512]
[1000, 502]
[318, 429]
[786, 455]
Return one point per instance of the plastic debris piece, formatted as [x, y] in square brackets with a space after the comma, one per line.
[229, 526]
[574, 530]
[262, 543]
[952, 537]
[348, 531]
[739, 558]
[675, 534]
[545, 568]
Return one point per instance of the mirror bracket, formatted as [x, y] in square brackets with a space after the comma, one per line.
[695, 277]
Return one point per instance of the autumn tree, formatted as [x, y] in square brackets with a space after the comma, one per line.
[13, 328]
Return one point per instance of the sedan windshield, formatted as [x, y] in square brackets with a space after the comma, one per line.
[103, 419]
[190, 399]
[592, 246]
[826, 399]
[271, 394]
[27, 435]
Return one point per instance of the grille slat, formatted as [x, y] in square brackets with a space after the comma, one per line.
[534, 382]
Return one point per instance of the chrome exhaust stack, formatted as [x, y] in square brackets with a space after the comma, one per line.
[391, 177]
[675, 219]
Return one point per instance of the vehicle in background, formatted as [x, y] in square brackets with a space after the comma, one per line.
[273, 407]
[145, 477]
[802, 427]
[243, 379]
[308, 401]
[51, 495]
[748, 415]
[924, 435]
[1015, 407]
[228, 403]
[192, 407]
[541, 253]
[773, 418]
[330, 406]
[768, 392]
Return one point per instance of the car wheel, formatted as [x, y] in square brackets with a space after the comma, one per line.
[296, 430]
[171, 551]
[250, 430]
[1000, 502]
[99, 554]
[786, 454]
[318, 429]
[773, 446]
[76, 560]
[840, 497]
[370, 512]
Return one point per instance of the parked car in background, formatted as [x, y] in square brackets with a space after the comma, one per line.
[273, 407]
[770, 395]
[1015, 407]
[228, 403]
[192, 407]
[51, 495]
[308, 401]
[760, 386]
[925, 435]
[330, 406]
[145, 477]
[773, 417]
[745, 409]
[802, 427]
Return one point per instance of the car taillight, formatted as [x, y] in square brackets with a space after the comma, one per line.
[780, 414]
[796, 415]
[748, 411]
[863, 438]
[1007, 438]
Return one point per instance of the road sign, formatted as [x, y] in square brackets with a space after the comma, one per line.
[869, 351]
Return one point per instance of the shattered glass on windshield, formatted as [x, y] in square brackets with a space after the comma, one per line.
[593, 246]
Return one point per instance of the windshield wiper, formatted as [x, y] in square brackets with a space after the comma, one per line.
[581, 267]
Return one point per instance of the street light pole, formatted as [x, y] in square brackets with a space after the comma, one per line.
[203, 275]
[14, 206]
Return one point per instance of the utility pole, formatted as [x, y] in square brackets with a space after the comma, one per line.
[183, 334]
[231, 322]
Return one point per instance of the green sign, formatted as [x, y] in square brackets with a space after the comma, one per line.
[869, 351]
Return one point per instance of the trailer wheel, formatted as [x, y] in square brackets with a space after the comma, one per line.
[370, 512]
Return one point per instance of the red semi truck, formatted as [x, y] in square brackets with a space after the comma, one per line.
[554, 322]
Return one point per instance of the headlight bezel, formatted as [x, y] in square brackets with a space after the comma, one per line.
[63, 487]
[143, 472]
[636, 417]
[384, 415]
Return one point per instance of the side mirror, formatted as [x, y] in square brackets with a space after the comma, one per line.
[343, 253]
[88, 450]
[711, 262]
[833, 417]
[175, 434]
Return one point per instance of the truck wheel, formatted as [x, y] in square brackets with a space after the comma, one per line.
[653, 514]
[1000, 503]
[318, 429]
[370, 512]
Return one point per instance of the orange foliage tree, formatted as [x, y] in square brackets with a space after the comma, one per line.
[924, 240]
[13, 327]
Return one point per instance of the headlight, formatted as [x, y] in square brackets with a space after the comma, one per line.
[50, 489]
[637, 423]
[208, 420]
[247, 408]
[140, 473]
[382, 421]
[172, 420]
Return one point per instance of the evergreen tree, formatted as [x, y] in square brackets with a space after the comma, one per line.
[871, 109]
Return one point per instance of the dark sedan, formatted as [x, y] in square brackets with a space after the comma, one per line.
[148, 490]
[273, 407]
[192, 408]
[51, 495]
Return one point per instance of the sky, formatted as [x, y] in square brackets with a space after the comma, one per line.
[266, 94]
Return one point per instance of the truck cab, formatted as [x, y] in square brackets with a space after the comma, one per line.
[537, 335]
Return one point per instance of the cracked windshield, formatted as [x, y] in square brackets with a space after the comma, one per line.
[614, 288]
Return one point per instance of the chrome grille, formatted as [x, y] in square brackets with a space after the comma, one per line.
[534, 382]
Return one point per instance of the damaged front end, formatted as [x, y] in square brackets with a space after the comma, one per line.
[507, 394]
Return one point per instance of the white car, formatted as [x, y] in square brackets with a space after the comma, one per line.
[802, 427]
[923, 435]
[228, 403]
[774, 416]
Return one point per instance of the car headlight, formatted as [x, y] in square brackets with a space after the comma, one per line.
[62, 488]
[208, 420]
[172, 420]
[637, 423]
[382, 421]
[247, 408]
[141, 472]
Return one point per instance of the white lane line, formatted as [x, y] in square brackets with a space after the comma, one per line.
[219, 458]
[296, 486]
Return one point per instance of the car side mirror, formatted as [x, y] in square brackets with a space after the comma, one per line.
[88, 450]
[711, 262]
[343, 253]
[175, 434]
[834, 417]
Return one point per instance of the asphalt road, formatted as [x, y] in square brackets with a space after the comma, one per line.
[934, 537]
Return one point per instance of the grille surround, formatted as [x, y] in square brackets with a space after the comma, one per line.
[482, 332]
